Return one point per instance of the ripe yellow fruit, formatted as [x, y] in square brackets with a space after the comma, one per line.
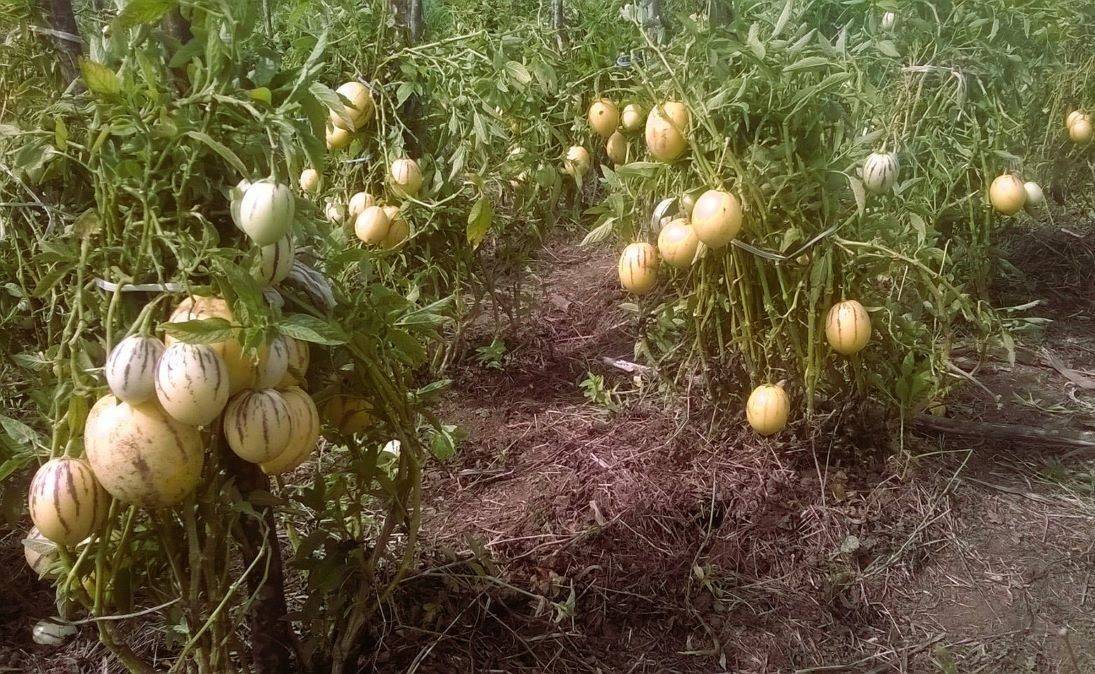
[140, 454]
[1007, 194]
[405, 177]
[257, 425]
[398, 231]
[577, 161]
[616, 148]
[633, 117]
[767, 409]
[338, 138]
[638, 268]
[299, 359]
[604, 117]
[241, 371]
[66, 501]
[309, 180]
[350, 414]
[360, 109]
[1080, 131]
[372, 225]
[716, 218]
[1073, 117]
[305, 433]
[677, 243]
[358, 203]
[667, 128]
[848, 327]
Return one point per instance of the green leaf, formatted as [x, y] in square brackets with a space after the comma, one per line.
[46, 283]
[784, 17]
[598, 233]
[519, 72]
[807, 63]
[201, 331]
[19, 432]
[639, 169]
[137, 12]
[311, 329]
[753, 40]
[221, 149]
[332, 100]
[860, 195]
[261, 94]
[888, 48]
[479, 221]
[445, 440]
[100, 79]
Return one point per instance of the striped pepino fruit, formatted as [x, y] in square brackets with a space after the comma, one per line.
[66, 502]
[131, 368]
[258, 425]
[192, 383]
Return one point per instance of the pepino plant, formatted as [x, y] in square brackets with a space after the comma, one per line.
[199, 312]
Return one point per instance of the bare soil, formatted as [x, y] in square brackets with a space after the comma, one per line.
[569, 537]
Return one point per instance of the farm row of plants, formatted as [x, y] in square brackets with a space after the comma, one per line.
[241, 229]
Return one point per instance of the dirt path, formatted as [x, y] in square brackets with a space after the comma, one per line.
[570, 537]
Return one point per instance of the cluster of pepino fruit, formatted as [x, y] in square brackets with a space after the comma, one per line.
[666, 132]
[145, 442]
[376, 224]
[713, 220]
[1009, 195]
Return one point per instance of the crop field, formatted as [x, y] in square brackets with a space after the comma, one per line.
[558, 336]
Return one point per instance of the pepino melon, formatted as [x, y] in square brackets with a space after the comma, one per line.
[767, 409]
[274, 363]
[131, 368]
[266, 212]
[358, 110]
[304, 435]
[299, 358]
[372, 225]
[349, 413]
[633, 117]
[140, 454]
[616, 148]
[638, 268]
[337, 138]
[667, 128]
[1007, 194]
[405, 177]
[66, 502]
[716, 218]
[274, 262]
[241, 371]
[192, 383]
[848, 327]
[257, 425]
[677, 243]
[603, 117]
